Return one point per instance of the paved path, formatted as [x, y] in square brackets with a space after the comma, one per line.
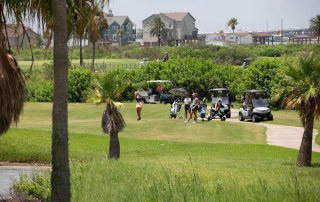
[10, 173]
[279, 135]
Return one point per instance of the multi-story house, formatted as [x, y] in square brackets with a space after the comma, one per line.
[121, 30]
[180, 25]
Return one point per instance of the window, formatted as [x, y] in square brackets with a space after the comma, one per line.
[115, 27]
[128, 25]
[231, 37]
[169, 25]
[237, 38]
[114, 37]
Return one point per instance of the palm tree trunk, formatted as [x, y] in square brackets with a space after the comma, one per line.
[81, 56]
[305, 152]
[114, 146]
[60, 176]
[93, 53]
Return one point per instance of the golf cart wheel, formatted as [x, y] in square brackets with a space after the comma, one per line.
[223, 118]
[241, 117]
[209, 118]
[255, 119]
[228, 115]
[270, 118]
[163, 102]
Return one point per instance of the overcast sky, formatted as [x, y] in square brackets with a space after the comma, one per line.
[212, 15]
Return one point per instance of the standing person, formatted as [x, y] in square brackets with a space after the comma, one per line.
[166, 57]
[194, 108]
[139, 104]
[187, 108]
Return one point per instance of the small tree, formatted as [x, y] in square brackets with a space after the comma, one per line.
[112, 123]
[158, 28]
[121, 33]
[233, 22]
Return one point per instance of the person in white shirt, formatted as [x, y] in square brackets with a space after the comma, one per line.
[187, 108]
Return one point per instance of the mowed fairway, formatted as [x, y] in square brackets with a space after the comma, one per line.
[155, 124]
[165, 159]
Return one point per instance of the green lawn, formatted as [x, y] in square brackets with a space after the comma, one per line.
[164, 159]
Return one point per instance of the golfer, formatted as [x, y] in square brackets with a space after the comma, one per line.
[187, 108]
[194, 108]
[139, 104]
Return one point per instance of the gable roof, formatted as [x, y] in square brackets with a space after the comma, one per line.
[177, 16]
[14, 31]
[118, 19]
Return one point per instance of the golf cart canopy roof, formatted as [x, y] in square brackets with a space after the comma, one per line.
[254, 91]
[159, 81]
[218, 89]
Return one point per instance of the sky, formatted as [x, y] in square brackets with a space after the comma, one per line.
[212, 15]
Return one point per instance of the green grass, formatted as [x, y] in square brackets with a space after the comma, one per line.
[156, 125]
[163, 159]
[25, 65]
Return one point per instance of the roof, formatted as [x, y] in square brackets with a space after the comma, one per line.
[218, 89]
[300, 36]
[159, 81]
[14, 31]
[118, 19]
[239, 33]
[177, 16]
[254, 91]
[261, 34]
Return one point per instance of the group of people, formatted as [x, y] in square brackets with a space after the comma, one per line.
[191, 107]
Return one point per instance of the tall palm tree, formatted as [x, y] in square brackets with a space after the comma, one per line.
[158, 28]
[315, 25]
[233, 22]
[302, 92]
[95, 24]
[60, 176]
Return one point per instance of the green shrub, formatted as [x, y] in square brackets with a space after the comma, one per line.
[35, 187]
[40, 90]
[80, 82]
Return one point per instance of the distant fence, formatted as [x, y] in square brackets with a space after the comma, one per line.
[105, 66]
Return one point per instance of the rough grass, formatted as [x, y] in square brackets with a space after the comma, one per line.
[25, 65]
[163, 159]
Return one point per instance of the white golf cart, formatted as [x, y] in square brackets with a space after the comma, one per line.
[255, 106]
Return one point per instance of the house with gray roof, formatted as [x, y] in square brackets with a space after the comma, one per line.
[180, 25]
[121, 30]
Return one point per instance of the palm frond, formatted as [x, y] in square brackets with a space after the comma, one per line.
[112, 121]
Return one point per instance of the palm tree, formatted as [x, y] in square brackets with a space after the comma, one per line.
[60, 176]
[95, 24]
[112, 123]
[158, 28]
[12, 87]
[233, 22]
[302, 92]
[315, 25]
[121, 33]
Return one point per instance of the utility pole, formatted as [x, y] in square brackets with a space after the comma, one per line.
[281, 31]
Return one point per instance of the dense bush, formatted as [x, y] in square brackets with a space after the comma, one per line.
[80, 82]
[40, 91]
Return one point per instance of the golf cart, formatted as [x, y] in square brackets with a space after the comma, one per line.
[154, 95]
[220, 94]
[255, 106]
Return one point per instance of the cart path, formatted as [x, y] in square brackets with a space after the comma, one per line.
[280, 135]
